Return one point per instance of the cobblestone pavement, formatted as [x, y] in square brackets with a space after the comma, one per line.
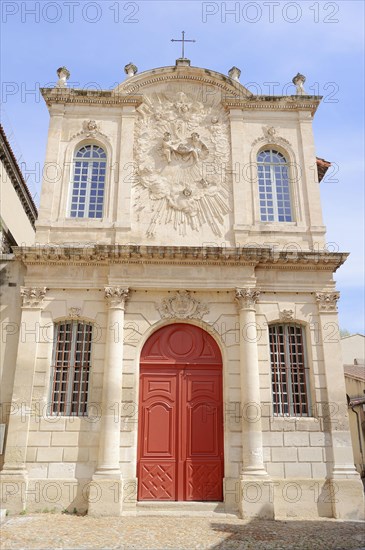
[43, 531]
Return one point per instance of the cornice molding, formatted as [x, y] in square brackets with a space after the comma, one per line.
[89, 97]
[179, 255]
[16, 177]
[278, 103]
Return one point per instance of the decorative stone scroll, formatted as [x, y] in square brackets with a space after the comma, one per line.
[327, 301]
[182, 152]
[33, 297]
[116, 296]
[90, 128]
[74, 312]
[271, 136]
[246, 298]
[182, 306]
[286, 315]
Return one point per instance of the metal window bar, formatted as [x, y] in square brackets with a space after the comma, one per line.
[70, 369]
[289, 370]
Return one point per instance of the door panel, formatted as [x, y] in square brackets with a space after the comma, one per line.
[204, 434]
[180, 447]
[157, 436]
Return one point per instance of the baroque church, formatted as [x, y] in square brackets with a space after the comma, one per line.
[179, 331]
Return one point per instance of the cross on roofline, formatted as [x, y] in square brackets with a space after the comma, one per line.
[183, 43]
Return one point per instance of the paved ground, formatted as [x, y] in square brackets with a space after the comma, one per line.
[43, 531]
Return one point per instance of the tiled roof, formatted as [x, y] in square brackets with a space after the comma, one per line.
[355, 371]
[322, 167]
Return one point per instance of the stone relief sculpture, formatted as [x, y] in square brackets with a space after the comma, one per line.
[182, 153]
[182, 305]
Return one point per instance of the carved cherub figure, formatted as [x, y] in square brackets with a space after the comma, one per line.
[197, 148]
[167, 147]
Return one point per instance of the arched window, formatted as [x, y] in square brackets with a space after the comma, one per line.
[289, 370]
[88, 182]
[274, 187]
[70, 369]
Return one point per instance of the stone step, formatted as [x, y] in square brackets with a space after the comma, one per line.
[180, 509]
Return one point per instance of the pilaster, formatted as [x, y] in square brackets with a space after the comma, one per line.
[13, 477]
[127, 170]
[347, 490]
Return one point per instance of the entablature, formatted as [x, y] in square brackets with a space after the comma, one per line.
[181, 255]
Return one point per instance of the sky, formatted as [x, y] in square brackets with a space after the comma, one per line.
[270, 41]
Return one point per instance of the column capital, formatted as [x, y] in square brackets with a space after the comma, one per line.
[246, 298]
[116, 296]
[33, 296]
[327, 301]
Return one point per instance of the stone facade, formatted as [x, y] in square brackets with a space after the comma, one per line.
[181, 240]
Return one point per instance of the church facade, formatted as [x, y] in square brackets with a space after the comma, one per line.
[179, 336]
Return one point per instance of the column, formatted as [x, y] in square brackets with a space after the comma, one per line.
[13, 477]
[255, 497]
[107, 478]
[347, 491]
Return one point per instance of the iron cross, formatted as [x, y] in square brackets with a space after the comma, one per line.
[183, 43]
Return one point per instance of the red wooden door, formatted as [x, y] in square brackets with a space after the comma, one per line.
[180, 436]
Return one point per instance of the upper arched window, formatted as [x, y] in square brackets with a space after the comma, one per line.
[274, 187]
[88, 182]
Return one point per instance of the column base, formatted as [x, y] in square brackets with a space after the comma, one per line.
[256, 497]
[105, 496]
[13, 490]
[347, 496]
[107, 473]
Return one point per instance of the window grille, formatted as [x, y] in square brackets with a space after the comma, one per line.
[274, 187]
[88, 182]
[289, 370]
[71, 368]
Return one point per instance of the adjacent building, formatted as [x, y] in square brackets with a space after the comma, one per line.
[18, 215]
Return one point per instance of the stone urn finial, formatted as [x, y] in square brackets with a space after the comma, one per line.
[298, 81]
[234, 73]
[63, 75]
[130, 69]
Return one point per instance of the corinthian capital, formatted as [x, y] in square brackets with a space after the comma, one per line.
[327, 301]
[33, 297]
[246, 298]
[116, 296]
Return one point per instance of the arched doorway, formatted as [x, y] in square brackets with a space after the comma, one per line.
[180, 430]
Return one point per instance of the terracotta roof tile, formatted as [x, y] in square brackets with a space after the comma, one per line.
[355, 371]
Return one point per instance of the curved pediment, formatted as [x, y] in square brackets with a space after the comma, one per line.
[205, 77]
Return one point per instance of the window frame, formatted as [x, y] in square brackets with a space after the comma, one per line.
[70, 369]
[273, 182]
[90, 160]
[279, 403]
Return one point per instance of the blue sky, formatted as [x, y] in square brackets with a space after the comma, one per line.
[269, 41]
